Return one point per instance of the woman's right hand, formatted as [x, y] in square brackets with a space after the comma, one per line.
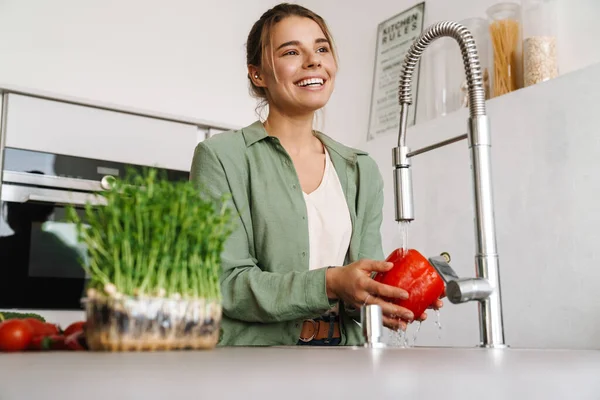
[354, 286]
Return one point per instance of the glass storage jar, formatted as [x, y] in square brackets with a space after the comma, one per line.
[505, 35]
[540, 60]
[457, 79]
[436, 65]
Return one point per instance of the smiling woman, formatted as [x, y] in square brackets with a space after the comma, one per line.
[298, 265]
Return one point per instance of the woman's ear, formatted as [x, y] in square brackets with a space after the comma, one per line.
[255, 76]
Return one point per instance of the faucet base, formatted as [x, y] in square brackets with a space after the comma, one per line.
[493, 346]
[374, 345]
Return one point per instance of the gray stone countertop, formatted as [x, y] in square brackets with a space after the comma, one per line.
[304, 373]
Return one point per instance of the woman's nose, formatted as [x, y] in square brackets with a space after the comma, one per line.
[313, 61]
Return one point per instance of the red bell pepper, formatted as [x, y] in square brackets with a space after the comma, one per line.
[74, 327]
[76, 341]
[413, 273]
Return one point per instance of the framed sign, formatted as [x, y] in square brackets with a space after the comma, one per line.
[394, 38]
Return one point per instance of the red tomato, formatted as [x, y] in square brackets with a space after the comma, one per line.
[413, 273]
[74, 327]
[49, 342]
[40, 328]
[15, 335]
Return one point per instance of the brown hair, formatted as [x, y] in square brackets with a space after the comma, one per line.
[260, 35]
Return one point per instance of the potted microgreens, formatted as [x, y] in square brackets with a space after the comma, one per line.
[154, 254]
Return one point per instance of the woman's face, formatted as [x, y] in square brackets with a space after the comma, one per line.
[302, 76]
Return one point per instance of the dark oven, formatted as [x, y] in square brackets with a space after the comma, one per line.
[40, 256]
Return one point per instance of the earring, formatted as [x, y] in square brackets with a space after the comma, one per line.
[255, 76]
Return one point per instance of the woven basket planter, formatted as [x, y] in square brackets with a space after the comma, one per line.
[151, 324]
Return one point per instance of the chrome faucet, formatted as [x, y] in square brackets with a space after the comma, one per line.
[485, 288]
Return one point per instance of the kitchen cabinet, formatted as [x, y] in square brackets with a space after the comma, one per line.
[59, 124]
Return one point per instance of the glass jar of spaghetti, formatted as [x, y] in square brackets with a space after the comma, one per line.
[540, 61]
[505, 36]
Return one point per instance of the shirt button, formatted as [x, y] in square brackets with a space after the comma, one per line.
[303, 217]
[303, 254]
[294, 186]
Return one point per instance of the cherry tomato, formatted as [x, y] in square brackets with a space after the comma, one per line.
[15, 335]
[40, 328]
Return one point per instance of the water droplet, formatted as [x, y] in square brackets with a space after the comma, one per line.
[415, 333]
[438, 323]
[395, 339]
[398, 338]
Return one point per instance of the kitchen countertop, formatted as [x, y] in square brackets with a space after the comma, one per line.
[304, 373]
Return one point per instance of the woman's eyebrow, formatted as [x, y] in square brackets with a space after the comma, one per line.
[297, 43]
[290, 43]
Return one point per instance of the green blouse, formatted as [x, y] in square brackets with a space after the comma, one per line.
[267, 287]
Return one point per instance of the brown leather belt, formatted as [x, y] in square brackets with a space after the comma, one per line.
[319, 330]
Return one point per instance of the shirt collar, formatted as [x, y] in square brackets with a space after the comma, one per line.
[256, 132]
[348, 153]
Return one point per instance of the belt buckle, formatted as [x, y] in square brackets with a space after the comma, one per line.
[316, 326]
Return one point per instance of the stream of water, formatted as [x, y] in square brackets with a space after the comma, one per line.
[403, 235]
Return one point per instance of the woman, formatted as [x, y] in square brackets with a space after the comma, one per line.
[306, 203]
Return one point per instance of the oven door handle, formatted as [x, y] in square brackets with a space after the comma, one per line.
[23, 194]
[92, 200]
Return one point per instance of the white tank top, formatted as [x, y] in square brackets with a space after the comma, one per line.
[329, 224]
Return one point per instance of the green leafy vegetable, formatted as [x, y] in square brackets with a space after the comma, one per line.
[6, 315]
[154, 237]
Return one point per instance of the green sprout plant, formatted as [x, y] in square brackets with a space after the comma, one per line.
[154, 238]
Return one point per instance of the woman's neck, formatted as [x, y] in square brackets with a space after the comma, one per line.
[294, 132]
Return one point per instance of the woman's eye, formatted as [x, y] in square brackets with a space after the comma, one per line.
[323, 50]
[291, 53]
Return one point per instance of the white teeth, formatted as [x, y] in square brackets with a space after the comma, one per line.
[312, 81]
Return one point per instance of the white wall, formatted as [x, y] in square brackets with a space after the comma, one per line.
[182, 57]
[354, 27]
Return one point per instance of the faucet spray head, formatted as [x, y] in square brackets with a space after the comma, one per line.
[403, 193]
